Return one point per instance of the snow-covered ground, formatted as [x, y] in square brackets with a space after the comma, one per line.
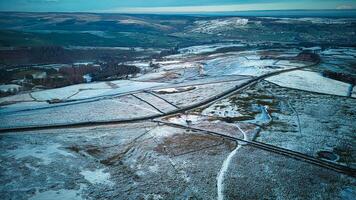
[10, 88]
[310, 81]
[310, 20]
[22, 106]
[59, 194]
[237, 65]
[225, 166]
[348, 53]
[125, 107]
[46, 154]
[67, 92]
[183, 65]
[83, 91]
[174, 90]
[223, 109]
[200, 49]
[16, 98]
[219, 25]
[151, 76]
[139, 63]
[97, 176]
[289, 63]
[157, 102]
[200, 93]
[186, 119]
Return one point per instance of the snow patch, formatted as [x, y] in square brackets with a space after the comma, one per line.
[45, 153]
[97, 177]
[10, 88]
[239, 65]
[186, 119]
[152, 197]
[200, 49]
[83, 91]
[59, 194]
[219, 25]
[310, 81]
[222, 109]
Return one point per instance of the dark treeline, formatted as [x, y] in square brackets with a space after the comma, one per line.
[114, 70]
[57, 54]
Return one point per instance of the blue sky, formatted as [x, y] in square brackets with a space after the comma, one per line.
[169, 6]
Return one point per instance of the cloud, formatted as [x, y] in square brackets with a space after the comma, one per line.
[344, 7]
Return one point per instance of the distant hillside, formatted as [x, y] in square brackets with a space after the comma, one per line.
[167, 31]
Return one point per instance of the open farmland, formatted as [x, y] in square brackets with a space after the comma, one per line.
[208, 112]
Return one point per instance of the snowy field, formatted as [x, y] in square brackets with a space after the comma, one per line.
[219, 25]
[206, 48]
[180, 71]
[126, 160]
[126, 107]
[83, 91]
[312, 20]
[16, 98]
[240, 65]
[200, 93]
[310, 81]
[342, 53]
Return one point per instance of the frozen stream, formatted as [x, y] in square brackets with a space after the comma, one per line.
[225, 167]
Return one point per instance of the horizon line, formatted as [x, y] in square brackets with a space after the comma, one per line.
[179, 13]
